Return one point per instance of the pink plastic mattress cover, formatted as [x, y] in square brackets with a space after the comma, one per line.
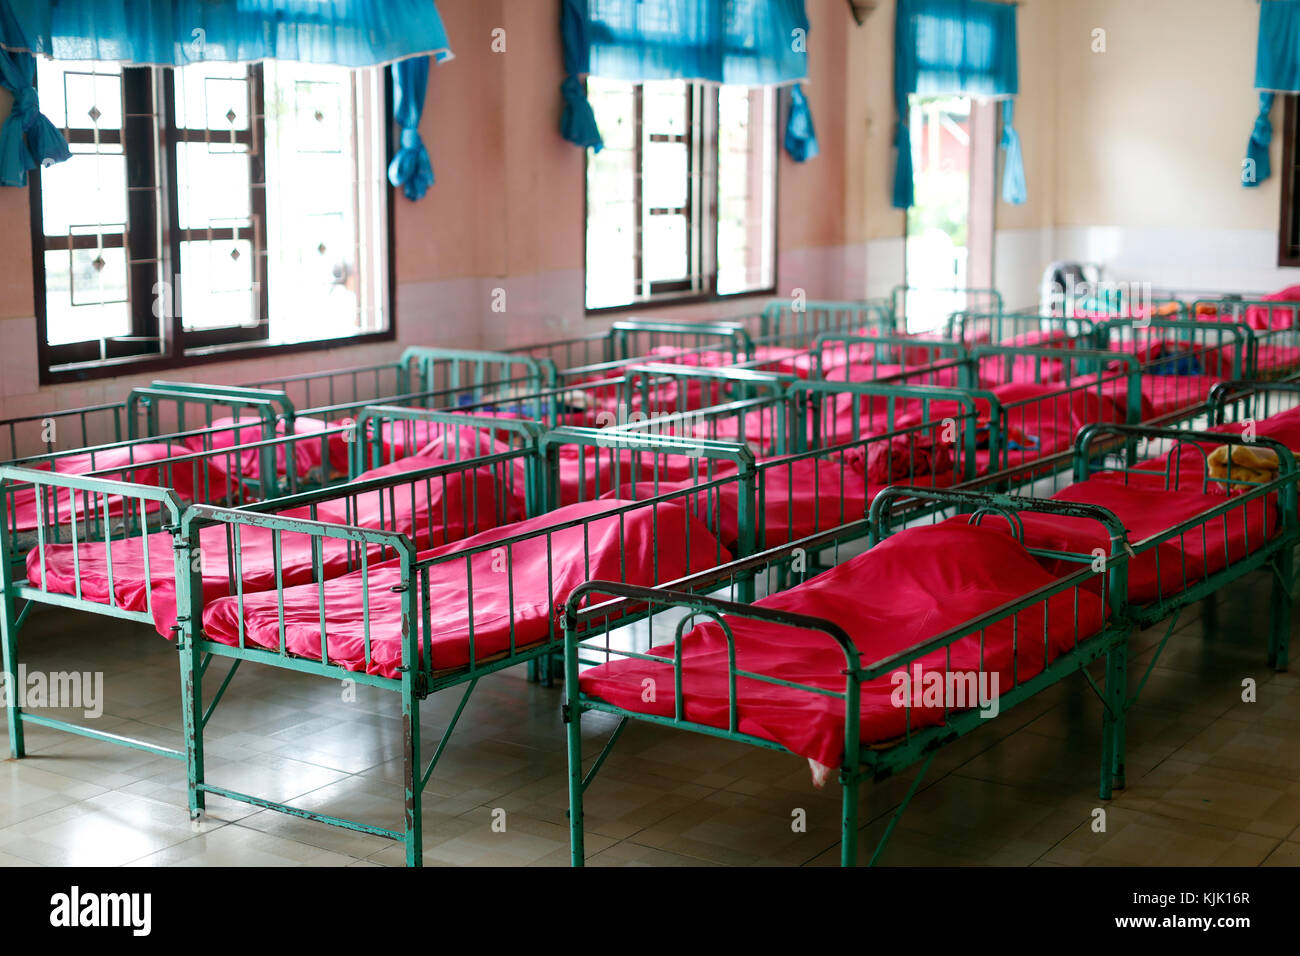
[1146, 511]
[515, 593]
[429, 512]
[134, 463]
[923, 582]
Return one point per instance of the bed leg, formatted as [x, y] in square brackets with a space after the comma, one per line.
[573, 716]
[1280, 619]
[192, 714]
[1119, 749]
[1113, 738]
[849, 823]
[9, 639]
[897, 814]
[413, 828]
[573, 726]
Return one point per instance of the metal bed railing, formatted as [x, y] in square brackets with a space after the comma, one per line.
[1180, 361]
[799, 324]
[483, 498]
[1008, 328]
[594, 612]
[417, 619]
[1275, 331]
[1274, 501]
[228, 473]
[1252, 400]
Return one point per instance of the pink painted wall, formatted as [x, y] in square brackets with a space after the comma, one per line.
[507, 209]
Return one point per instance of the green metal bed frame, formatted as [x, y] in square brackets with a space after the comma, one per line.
[1237, 401]
[1276, 555]
[1282, 330]
[584, 625]
[173, 510]
[417, 679]
[785, 323]
[999, 328]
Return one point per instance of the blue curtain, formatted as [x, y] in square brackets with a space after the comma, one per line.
[745, 42]
[800, 137]
[1013, 170]
[410, 169]
[1257, 167]
[578, 123]
[353, 33]
[27, 138]
[1277, 60]
[1277, 70]
[958, 47]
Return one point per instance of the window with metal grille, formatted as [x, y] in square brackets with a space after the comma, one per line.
[207, 208]
[681, 202]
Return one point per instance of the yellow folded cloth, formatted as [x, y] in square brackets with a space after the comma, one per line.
[1255, 465]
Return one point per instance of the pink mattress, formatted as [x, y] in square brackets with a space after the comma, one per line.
[1187, 471]
[306, 453]
[803, 496]
[924, 581]
[1274, 358]
[427, 512]
[1264, 317]
[128, 463]
[1165, 570]
[785, 361]
[1042, 419]
[521, 604]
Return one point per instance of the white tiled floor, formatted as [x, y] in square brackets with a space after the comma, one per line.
[1212, 780]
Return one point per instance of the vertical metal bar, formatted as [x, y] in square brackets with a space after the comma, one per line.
[189, 620]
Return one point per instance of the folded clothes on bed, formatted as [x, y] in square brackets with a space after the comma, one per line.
[1244, 463]
[1188, 466]
[494, 598]
[915, 585]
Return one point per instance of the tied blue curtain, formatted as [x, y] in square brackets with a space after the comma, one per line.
[27, 138]
[578, 123]
[800, 137]
[955, 47]
[1013, 171]
[352, 33]
[1277, 70]
[1257, 167]
[745, 42]
[410, 169]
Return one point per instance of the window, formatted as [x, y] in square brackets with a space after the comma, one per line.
[208, 207]
[681, 202]
[950, 223]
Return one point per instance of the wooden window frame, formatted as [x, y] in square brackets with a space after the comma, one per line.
[702, 232]
[1288, 228]
[152, 258]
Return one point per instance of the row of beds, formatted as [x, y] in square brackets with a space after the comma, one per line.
[763, 520]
